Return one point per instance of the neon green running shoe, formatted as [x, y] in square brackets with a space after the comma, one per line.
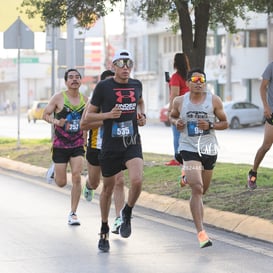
[88, 193]
[116, 225]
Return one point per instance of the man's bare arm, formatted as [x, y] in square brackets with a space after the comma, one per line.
[89, 124]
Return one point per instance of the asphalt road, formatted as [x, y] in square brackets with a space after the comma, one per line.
[35, 238]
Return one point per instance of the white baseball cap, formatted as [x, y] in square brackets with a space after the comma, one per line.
[122, 54]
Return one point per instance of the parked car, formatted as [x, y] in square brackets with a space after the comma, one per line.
[241, 113]
[163, 117]
[36, 111]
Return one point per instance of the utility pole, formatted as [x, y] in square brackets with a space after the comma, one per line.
[70, 45]
[53, 40]
[125, 25]
[53, 46]
[270, 37]
[228, 91]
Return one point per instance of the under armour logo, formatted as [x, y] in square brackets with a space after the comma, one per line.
[120, 96]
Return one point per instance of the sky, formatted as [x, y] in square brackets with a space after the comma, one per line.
[114, 20]
[9, 13]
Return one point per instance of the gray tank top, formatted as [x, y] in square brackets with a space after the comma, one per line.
[268, 75]
[193, 139]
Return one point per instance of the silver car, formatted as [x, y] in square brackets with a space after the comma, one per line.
[240, 113]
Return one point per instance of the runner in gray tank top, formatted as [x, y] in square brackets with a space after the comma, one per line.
[196, 115]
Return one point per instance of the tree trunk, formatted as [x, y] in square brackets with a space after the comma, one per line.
[194, 39]
[185, 24]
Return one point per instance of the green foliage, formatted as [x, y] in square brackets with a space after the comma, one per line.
[57, 12]
[13, 141]
[260, 5]
[6, 141]
[226, 12]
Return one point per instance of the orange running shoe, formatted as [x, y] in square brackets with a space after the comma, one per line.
[251, 180]
[204, 239]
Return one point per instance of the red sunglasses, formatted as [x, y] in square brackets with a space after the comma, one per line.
[195, 79]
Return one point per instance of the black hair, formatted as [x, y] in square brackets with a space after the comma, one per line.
[69, 70]
[181, 64]
[105, 74]
[195, 70]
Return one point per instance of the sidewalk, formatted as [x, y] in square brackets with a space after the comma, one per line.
[249, 226]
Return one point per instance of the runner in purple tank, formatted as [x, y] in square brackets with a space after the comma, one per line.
[64, 111]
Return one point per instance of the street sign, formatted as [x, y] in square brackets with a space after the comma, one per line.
[62, 56]
[62, 52]
[27, 60]
[18, 36]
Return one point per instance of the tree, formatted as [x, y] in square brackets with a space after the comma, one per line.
[192, 17]
[57, 12]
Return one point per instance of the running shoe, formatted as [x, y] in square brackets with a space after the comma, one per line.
[104, 242]
[173, 162]
[73, 219]
[116, 225]
[88, 193]
[125, 227]
[251, 180]
[183, 179]
[204, 240]
[50, 174]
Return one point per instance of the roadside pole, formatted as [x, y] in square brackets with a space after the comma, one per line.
[18, 36]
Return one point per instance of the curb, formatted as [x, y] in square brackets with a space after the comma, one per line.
[249, 226]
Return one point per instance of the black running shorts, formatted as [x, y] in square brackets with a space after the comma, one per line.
[92, 156]
[270, 120]
[208, 161]
[63, 155]
[113, 162]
